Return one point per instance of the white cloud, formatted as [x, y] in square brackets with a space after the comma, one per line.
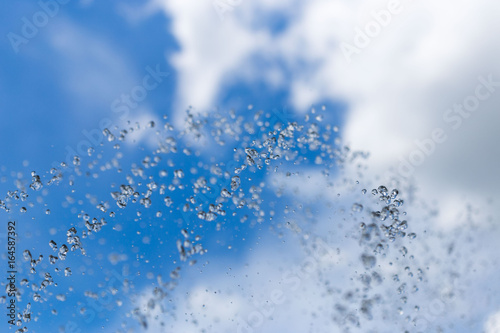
[212, 52]
[397, 89]
[493, 323]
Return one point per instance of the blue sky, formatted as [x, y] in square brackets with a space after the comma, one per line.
[38, 80]
[67, 81]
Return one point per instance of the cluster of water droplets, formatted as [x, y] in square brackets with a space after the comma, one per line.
[181, 194]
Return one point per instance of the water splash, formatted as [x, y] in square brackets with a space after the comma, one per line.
[176, 194]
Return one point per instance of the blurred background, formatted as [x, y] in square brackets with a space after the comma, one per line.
[415, 84]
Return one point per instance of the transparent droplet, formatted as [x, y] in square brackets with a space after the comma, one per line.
[357, 208]
[53, 245]
[383, 190]
[368, 261]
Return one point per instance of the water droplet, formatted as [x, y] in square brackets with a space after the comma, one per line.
[27, 255]
[53, 259]
[225, 193]
[235, 183]
[368, 261]
[382, 190]
[357, 208]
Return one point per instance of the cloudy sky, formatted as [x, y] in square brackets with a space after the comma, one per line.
[416, 84]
